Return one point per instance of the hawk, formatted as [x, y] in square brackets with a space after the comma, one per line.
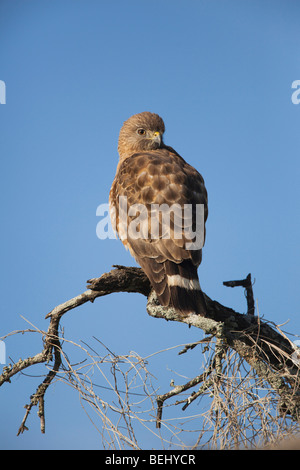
[151, 175]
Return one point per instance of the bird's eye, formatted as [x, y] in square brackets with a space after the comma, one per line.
[141, 131]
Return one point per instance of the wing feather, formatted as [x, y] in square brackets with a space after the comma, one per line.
[154, 178]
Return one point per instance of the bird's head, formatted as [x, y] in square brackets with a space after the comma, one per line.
[139, 133]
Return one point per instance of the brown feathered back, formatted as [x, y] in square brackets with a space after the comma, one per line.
[151, 174]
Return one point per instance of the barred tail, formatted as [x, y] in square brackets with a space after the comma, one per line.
[176, 285]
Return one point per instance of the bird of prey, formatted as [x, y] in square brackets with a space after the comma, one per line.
[150, 178]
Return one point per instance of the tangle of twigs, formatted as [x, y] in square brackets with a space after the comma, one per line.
[251, 376]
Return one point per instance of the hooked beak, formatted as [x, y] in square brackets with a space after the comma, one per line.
[156, 137]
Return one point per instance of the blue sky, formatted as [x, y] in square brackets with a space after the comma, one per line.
[220, 75]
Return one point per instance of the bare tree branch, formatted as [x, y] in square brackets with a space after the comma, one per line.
[247, 283]
[258, 342]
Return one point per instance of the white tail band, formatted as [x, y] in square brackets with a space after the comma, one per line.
[179, 281]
